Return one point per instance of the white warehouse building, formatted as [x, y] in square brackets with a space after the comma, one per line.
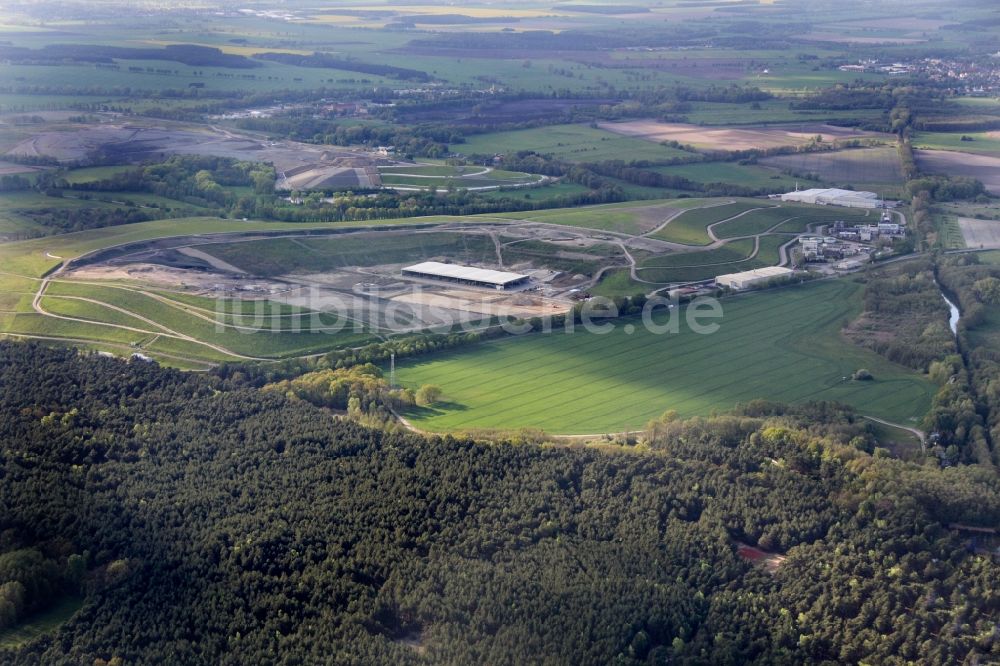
[466, 275]
[748, 279]
[834, 197]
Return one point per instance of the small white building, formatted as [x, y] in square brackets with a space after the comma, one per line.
[834, 197]
[748, 279]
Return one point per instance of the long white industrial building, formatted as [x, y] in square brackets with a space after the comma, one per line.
[467, 275]
[834, 197]
[748, 279]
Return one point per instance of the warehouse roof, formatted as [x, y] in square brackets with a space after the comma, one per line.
[832, 193]
[766, 272]
[458, 272]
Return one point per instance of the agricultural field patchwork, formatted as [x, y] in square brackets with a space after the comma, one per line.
[762, 178]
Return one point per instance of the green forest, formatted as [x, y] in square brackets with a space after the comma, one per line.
[204, 521]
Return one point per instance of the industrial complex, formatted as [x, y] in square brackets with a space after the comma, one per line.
[465, 275]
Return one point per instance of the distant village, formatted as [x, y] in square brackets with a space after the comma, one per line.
[970, 77]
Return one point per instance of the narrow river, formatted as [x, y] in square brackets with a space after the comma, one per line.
[954, 316]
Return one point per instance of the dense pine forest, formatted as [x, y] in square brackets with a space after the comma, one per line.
[204, 521]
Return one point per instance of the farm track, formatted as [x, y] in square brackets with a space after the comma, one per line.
[115, 345]
[913, 431]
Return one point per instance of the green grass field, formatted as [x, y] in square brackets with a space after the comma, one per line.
[782, 345]
[759, 221]
[281, 256]
[902, 443]
[31, 213]
[982, 143]
[754, 176]
[770, 111]
[427, 176]
[633, 217]
[39, 623]
[544, 193]
[689, 227]
[93, 174]
[950, 235]
[795, 219]
[618, 283]
[571, 143]
[989, 257]
[736, 250]
[430, 170]
[732, 257]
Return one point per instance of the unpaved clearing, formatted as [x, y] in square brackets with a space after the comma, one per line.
[157, 275]
[485, 303]
[954, 163]
[983, 234]
[212, 261]
[299, 165]
[733, 138]
[652, 217]
[770, 561]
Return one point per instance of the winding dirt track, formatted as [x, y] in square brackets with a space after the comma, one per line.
[919, 433]
[36, 305]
